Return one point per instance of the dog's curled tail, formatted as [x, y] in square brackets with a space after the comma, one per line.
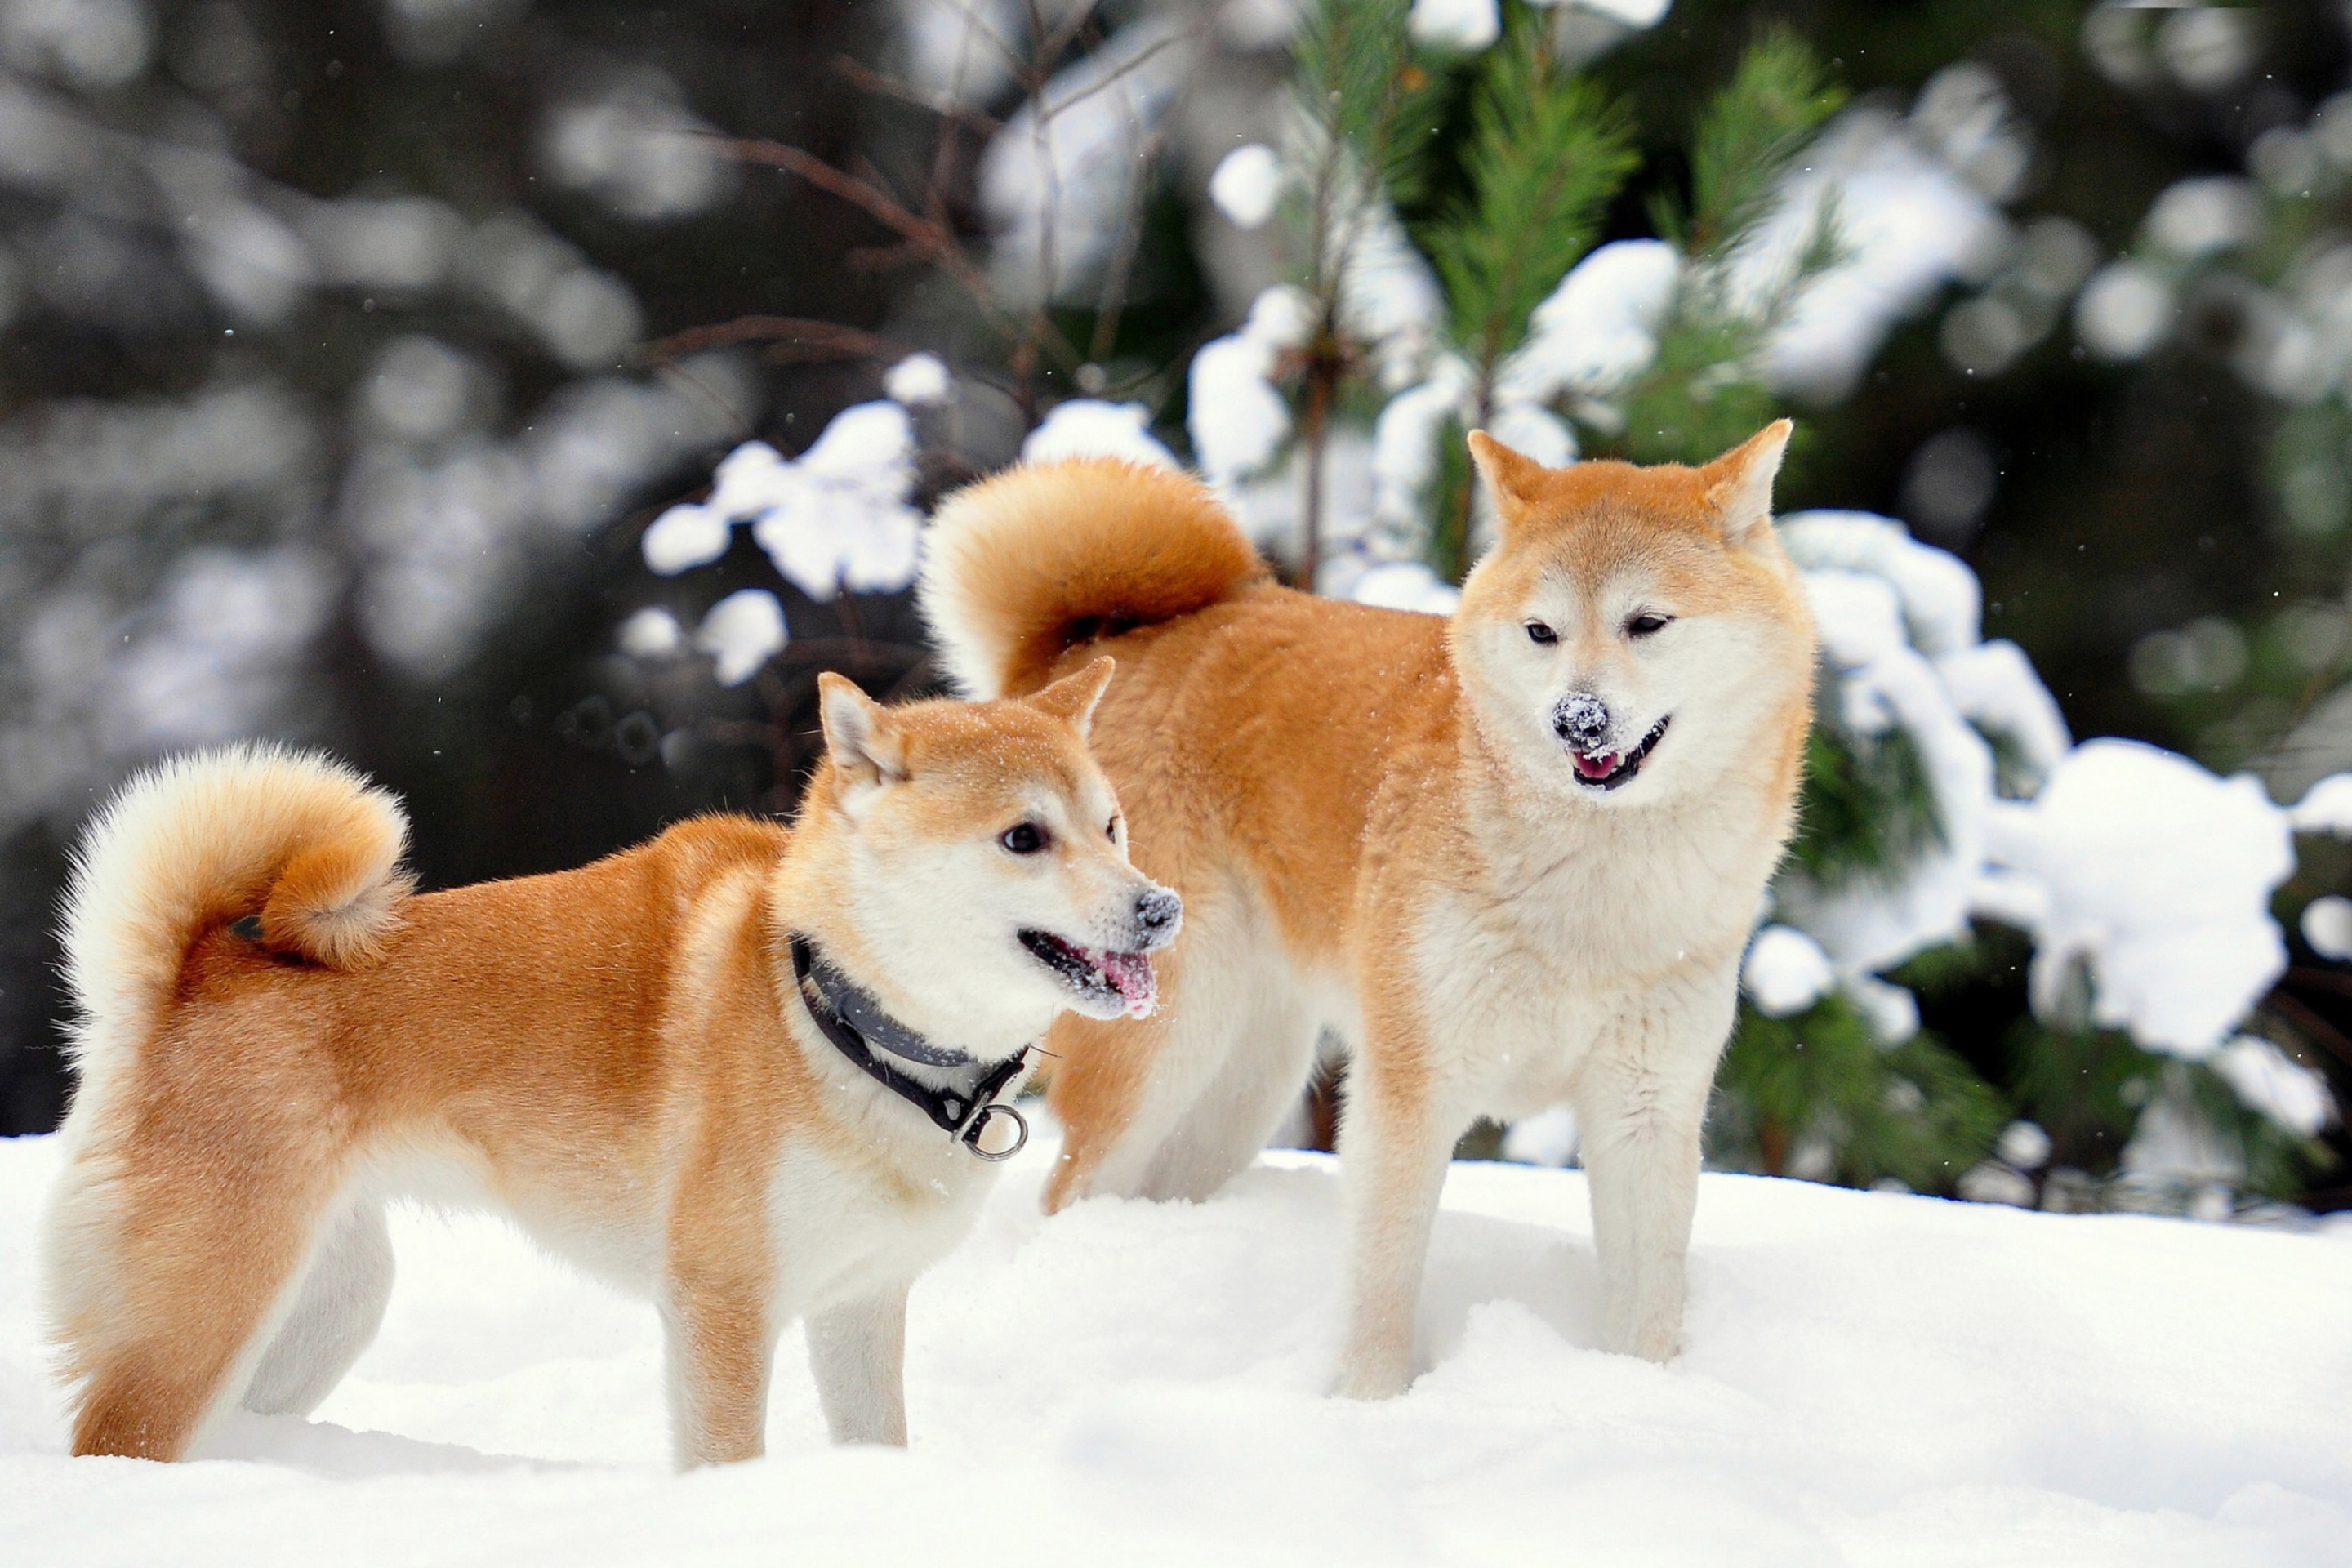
[1024, 565]
[293, 838]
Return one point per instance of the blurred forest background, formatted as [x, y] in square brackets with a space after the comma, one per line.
[364, 368]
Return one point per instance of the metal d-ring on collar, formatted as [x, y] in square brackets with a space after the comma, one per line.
[855, 1023]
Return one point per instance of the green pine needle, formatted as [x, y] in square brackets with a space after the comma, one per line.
[1916, 1112]
[1360, 83]
[1548, 152]
[1705, 393]
[1867, 809]
[2089, 1087]
[1746, 140]
[1701, 396]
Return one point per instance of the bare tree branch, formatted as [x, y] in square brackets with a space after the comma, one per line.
[837, 342]
[940, 103]
[694, 384]
[1043, 112]
[878, 203]
[1049, 221]
[932, 238]
[1117, 74]
[882, 258]
[1053, 45]
[1112, 302]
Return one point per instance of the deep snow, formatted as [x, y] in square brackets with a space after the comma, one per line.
[1869, 1379]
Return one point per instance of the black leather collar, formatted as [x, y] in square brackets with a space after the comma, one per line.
[848, 1015]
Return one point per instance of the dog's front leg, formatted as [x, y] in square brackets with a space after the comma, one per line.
[1394, 1144]
[720, 1342]
[1642, 1101]
[857, 1352]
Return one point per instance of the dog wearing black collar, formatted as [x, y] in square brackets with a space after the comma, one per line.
[758, 1073]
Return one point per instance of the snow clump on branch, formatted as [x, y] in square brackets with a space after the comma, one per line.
[1599, 328]
[918, 381]
[1888, 608]
[2130, 865]
[1466, 26]
[1913, 201]
[2266, 1079]
[1088, 428]
[1237, 416]
[2156, 875]
[835, 518]
[742, 632]
[1596, 331]
[1786, 972]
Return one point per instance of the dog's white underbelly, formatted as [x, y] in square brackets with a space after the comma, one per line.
[836, 1235]
[615, 1236]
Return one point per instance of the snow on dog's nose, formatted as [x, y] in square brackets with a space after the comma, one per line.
[1158, 913]
[1582, 721]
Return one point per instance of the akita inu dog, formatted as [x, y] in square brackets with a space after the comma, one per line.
[755, 1072]
[1512, 857]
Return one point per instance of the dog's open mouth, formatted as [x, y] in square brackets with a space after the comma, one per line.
[1098, 975]
[1607, 770]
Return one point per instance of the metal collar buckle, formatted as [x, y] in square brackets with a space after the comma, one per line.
[976, 1127]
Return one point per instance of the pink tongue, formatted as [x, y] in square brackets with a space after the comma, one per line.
[1599, 767]
[1131, 973]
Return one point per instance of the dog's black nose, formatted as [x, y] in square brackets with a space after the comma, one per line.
[1157, 913]
[1582, 721]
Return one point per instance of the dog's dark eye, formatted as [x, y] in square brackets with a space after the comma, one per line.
[1025, 839]
[1539, 631]
[1646, 625]
[1110, 830]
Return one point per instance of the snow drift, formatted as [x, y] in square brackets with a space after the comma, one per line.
[1868, 1379]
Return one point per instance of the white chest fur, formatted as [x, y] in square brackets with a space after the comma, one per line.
[850, 1221]
[1610, 930]
[841, 1235]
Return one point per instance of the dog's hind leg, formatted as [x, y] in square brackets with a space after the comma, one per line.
[182, 1253]
[335, 1318]
[1267, 1065]
[1125, 1087]
[1122, 1088]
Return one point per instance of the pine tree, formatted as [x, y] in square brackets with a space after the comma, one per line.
[1371, 108]
[1703, 393]
[1548, 152]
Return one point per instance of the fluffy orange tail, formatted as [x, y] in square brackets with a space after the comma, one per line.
[300, 841]
[1024, 565]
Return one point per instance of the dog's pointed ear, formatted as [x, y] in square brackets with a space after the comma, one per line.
[1513, 476]
[1072, 699]
[860, 740]
[1740, 483]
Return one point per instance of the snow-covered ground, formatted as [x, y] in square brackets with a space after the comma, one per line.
[1870, 1379]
